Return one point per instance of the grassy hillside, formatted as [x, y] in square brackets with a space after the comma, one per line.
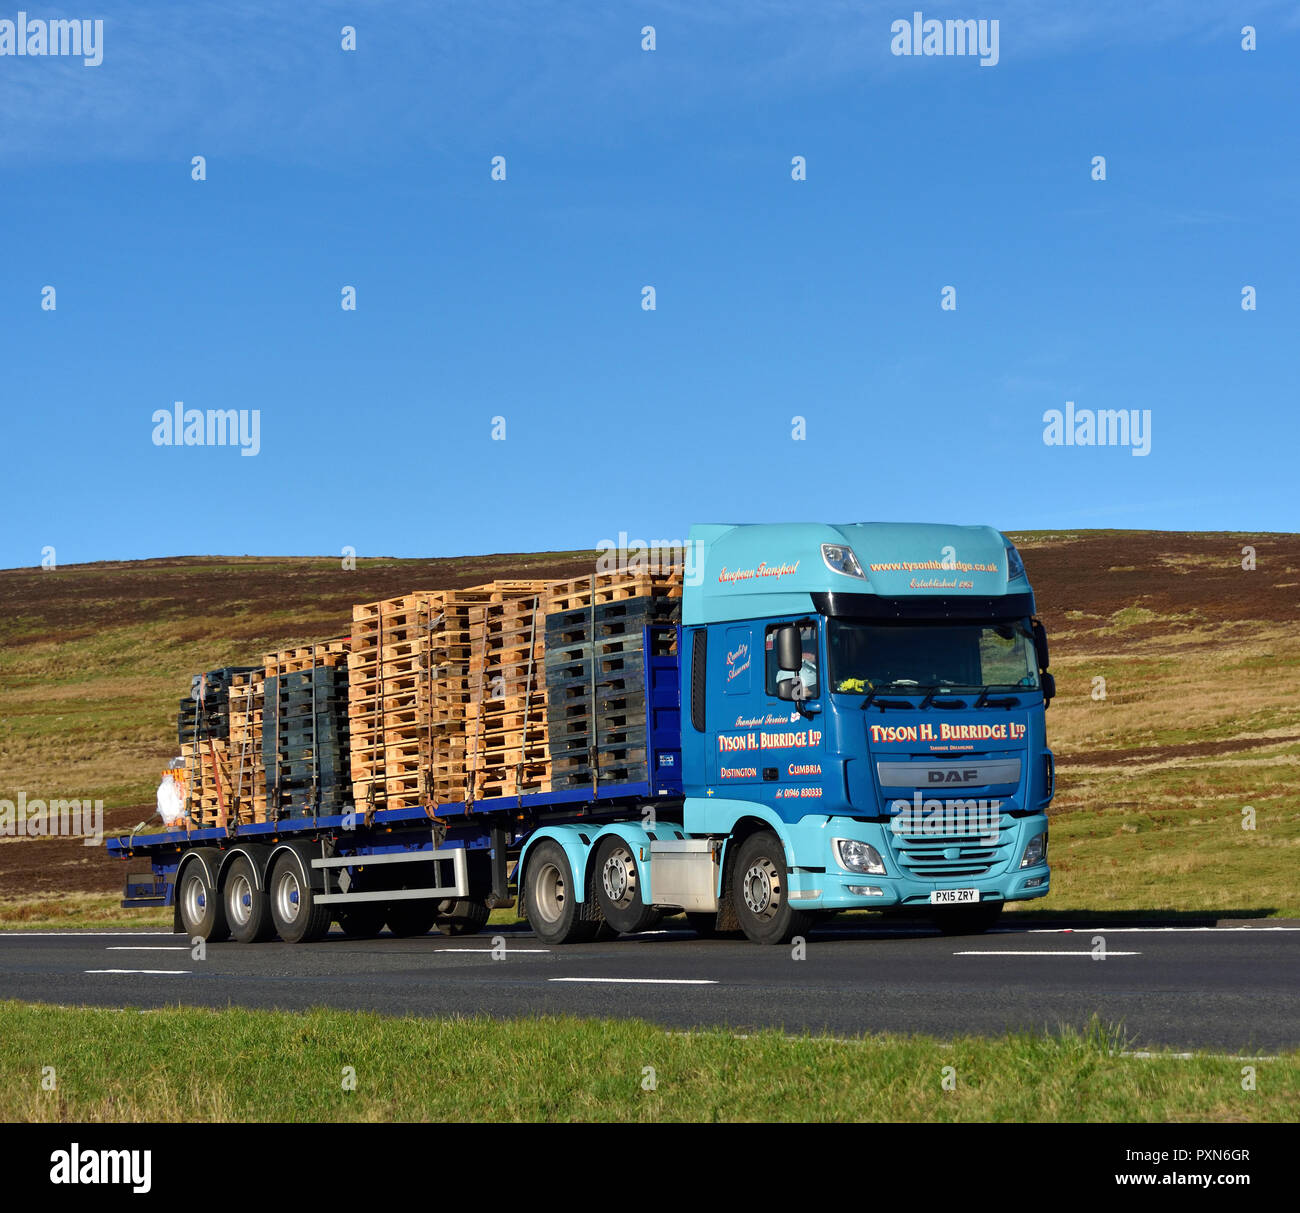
[1200, 719]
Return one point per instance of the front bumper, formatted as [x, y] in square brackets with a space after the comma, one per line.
[818, 881]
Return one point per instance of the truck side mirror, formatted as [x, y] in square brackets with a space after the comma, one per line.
[1049, 688]
[789, 649]
[1040, 645]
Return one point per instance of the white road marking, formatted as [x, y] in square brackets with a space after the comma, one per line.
[488, 951]
[84, 934]
[1131, 930]
[156, 947]
[1056, 952]
[146, 972]
[642, 981]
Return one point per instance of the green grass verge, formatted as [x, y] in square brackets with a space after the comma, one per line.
[238, 1065]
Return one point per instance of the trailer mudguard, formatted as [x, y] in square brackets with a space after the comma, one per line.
[576, 841]
[257, 856]
[305, 852]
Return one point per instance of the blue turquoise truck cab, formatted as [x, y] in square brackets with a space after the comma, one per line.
[896, 750]
[847, 717]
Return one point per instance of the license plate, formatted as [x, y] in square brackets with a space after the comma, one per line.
[950, 897]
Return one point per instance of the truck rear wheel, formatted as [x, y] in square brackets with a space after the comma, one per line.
[465, 917]
[550, 904]
[761, 892]
[618, 888]
[407, 919]
[362, 921]
[248, 909]
[202, 913]
[294, 909]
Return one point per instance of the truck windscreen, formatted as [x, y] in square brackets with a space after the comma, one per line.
[867, 657]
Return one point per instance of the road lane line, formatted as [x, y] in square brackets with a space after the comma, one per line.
[1056, 952]
[488, 951]
[1129, 930]
[642, 981]
[84, 934]
[156, 947]
[146, 972]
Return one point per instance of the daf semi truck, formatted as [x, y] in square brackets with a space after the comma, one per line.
[849, 717]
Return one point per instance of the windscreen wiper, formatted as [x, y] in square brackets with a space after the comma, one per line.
[997, 703]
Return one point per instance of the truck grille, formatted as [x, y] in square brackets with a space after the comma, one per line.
[930, 857]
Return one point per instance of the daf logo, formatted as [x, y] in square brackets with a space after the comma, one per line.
[968, 775]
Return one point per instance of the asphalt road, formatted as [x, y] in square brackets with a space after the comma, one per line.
[1231, 989]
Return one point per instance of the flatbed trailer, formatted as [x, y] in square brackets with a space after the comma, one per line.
[831, 732]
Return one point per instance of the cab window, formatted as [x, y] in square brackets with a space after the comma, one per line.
[808, 670]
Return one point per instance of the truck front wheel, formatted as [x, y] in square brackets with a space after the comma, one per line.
[550, 904]
[202, 914]
[761, 893]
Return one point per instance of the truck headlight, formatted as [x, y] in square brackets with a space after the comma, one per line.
[1036, 851]
[1015, 565]
[855, 856]
[840, 558]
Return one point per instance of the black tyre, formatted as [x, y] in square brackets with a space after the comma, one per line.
[362, 921]
[297, 916]
[248, 909]
[407, 919]
[760, 892]
[465, 918]
[201, 911]
[617, 880]
[550, 905]
[968, 920]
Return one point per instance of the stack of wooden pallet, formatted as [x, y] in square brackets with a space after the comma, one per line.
[207, 782]
[305, 731]
[596, 653]
[505, 719]
[422, 668]
[247, 771]
[387, 732]
[206, 713]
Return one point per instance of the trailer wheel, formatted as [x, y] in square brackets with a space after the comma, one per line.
[618, 888]
[968, 920]
[409, 918]
[466, 918]
[201, 911]
[248, 909]
[362, 921]
[761, 892]
[297, 916]
[550, 906]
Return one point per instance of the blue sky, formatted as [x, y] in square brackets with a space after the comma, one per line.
[627, 168]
